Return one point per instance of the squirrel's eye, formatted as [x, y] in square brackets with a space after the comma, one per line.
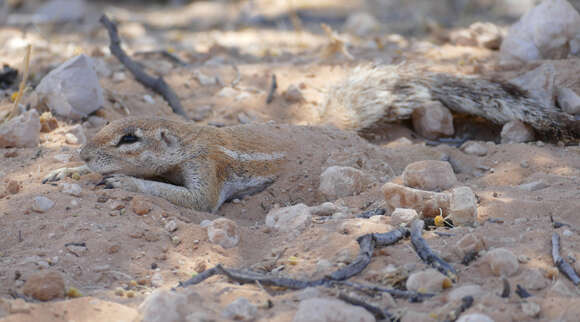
[128, 139]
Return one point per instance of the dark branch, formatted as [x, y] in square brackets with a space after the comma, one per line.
[562, 265]
[426, 254]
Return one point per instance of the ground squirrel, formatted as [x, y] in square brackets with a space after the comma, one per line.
[201, 167]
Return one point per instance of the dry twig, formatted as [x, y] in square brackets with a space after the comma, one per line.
[426, 254]
[562, 265]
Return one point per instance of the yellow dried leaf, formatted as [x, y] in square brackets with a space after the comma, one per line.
[73, 292]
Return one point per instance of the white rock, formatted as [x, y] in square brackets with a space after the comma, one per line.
[474, 148]
[157, 279]
[41, 204]
[294, 218]
[337, 182]
[429, 281]
[148, 99]
[475, 317]
[429, 175]
[502, 262]
[224, 232]
[466, 290]
[539, 83]
[548, 31]
[72, 189]
[463, 207]
[330, 310]
[240, 309]
[72, 90]
[516, 132]
[403, 216]
[533, 186]
[71, 139]
[171, 226]
[22, 131]
[79, 134]
[361, 24]
[433, 121]
[568, 100]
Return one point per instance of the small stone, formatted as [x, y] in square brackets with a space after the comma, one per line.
[429, 175]
[44, 286]
[360, 226]
[148, 99]
[525, 164]
[293, 94]
[171, 226]
[531, 309]
[72, 189]
[516, 132]
[533, 186]
[567, 233]
[119, 77]
[474, 148]
[330, 310]
[403, 216]
[22, 131]
[428, 281]
[223, 232]
[79, 135]
[533, 279]
[240, 310]
[41, 204]
[327, 209]
[426, 203]
[466, 290]
[289, 219]
[12, 187]
[463, 207]
[337, 182]
[433, 121]
[475, 317]
[568, 100]
[69, 138]
[157, 279]
[468, 244]
[205, 80]
[502, 262]
[140, 205]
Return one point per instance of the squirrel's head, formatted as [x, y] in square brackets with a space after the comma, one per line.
[139, 147]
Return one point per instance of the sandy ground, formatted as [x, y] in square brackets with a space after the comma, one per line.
[124, 250]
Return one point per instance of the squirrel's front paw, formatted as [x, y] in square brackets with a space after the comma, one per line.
[120, 182]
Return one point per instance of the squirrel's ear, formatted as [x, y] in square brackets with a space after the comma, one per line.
[167, 138]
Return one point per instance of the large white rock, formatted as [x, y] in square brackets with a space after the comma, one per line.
[21, 132]
[330, 310]
[72, 90]
[551, 30]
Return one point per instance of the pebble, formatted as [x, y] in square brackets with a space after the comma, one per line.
[223, 232]
[502, 262]
[466, 290]
[469, 243]
[524, 164]
[463, 207]
[475, 317]
[119, 77]
[79, 135]
[240, 310]
[293, 94]
[429, 175]
[289, 219]
[140, 205]
[13, 187]
[403, 216]
[531, 309]
[568, 100]
[330, 310]
[516, 132]
[22, 131]
[44, 286]
[171, 226]
[69, 138]
[533, 186]
[474, 148]
[567, 233]
[157, 279]
[148, 99]
[41, 204]
[361, 226]
[428, 281]
[72, 189]
[327, 209]
[433, 121]
[426, 203]
[338, 181]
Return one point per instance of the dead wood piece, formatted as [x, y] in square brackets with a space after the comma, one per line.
[426, 254]
[562, 265]
[379, 313]
[272, 91]
[164, 53]
[156, 84]
[390, 238]
[557, 224]
[522, 292]
[506, 288]
[200, 277]
[367, 245]
[466, 303]
[373, 212]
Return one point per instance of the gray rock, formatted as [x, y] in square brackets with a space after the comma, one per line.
[41, 204]
[289, 219]
[433, 121]
[533, 186]
[330, 310]
[429, 175]
[223, 232]
[516, 132]
[531, 309]
[240, 309]
[502, 262]
[22, 131]
[539, 83]
[337, 182]
[72, 90]
[293, 94]
[463, 207]
[72, 189]
[474, 148]
[568, 100]
[327, 209]
[171, 226]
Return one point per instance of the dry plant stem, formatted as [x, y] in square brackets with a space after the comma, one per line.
[426, 254]
[379, 313]
[15, 109]
[562, 265]
[156, 84]
[272, 91]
